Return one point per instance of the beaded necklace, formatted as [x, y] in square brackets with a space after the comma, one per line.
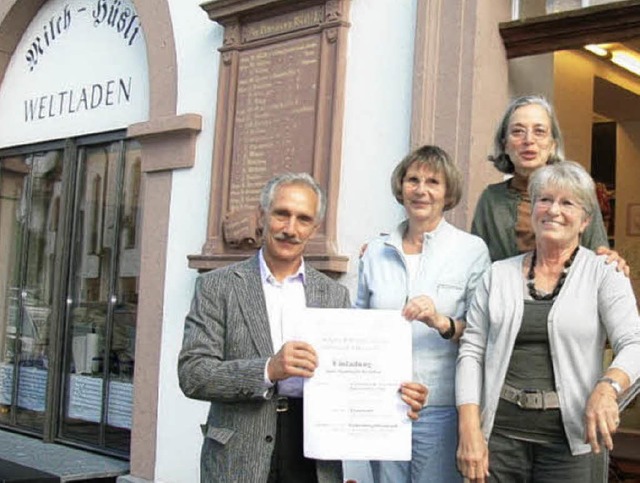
[531, 284]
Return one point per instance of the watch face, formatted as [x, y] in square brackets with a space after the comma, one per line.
[613, 383]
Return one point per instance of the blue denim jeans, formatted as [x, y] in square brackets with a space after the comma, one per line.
[434, 444]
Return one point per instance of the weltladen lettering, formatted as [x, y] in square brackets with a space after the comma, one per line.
[87, 98]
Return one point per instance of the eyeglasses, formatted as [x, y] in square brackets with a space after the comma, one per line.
[565, 205]
[413, 182]
[538, 133]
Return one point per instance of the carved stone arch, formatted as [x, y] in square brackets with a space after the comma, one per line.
[155, 19]
[15, 16]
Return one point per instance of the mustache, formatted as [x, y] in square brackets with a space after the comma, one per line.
[288, 238]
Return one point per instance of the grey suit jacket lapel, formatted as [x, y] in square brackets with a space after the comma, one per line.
[315, 291]
[253, 305]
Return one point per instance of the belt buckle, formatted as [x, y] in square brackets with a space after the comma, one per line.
[523, 396]
[282, 404]
[543, 399]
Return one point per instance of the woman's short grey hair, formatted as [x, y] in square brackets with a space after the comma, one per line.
[439, 161]
[567, 176]
[272, 186]
[500, 158]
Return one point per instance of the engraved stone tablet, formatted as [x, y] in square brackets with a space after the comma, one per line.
[274, 125]
[279, 109]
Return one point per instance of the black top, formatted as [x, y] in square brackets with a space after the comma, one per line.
[531, 367]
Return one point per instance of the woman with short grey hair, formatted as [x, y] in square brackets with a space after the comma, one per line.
[569, 176]
[527, 138]
[500, 157]
[534, 401]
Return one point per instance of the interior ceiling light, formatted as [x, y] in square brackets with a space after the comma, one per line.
[626, 61]
[619, 56]
[597, 49]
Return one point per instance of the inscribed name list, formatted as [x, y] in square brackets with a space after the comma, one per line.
[274, 123]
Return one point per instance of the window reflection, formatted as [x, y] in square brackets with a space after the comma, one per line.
[30, 190]
[99, 394]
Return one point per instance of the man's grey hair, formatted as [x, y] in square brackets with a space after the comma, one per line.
[499, 157]
[270, 189]
[569, 176]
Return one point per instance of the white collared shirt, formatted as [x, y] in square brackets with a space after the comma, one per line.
[282, 297]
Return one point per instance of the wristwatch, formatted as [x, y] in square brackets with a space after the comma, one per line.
[613, 383]
[451, 331]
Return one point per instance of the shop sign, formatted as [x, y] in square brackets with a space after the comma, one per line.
[80, 68]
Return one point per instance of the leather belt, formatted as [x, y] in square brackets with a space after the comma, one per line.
[530, 398]
[282, 404]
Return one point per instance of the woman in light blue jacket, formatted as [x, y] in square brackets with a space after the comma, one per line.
[429, 269]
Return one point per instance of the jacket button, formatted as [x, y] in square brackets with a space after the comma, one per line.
[269, 439]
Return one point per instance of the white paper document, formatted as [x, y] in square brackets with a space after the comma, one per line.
[352, 404]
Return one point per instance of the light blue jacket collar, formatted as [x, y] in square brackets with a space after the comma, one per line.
[395, 237]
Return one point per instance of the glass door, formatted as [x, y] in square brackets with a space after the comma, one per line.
[69, 272]
[30, 193]
[102, 298]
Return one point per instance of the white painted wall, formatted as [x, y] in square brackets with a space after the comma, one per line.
[377, 122]
[179, 438]
[376, 137]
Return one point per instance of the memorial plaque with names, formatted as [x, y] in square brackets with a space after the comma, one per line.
[274, 125]
[279, 109]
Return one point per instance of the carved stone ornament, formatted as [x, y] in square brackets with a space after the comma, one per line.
[333, 12]
[231, 34]
[241, 228]
[332, 34]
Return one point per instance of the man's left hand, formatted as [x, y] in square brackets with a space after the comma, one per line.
[415, 395]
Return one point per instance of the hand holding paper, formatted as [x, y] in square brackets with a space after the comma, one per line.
[295, 358]
[415, 395]
[355, 405]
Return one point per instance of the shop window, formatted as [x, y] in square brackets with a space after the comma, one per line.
[30, 187]
[69, 271]
[523, 9]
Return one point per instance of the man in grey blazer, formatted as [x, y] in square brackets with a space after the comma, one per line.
[254, 427]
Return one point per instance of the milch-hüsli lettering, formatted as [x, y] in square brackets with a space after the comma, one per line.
[51, 30]
[121, 18]
[110, 13]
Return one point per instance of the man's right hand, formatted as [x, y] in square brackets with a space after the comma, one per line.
[295, 358]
